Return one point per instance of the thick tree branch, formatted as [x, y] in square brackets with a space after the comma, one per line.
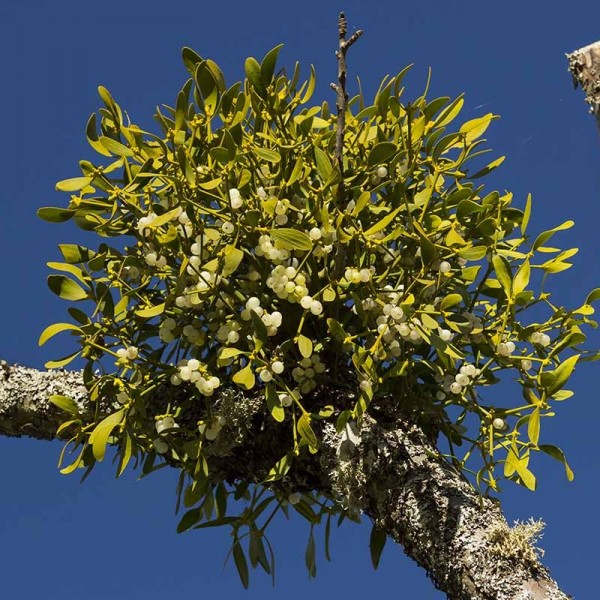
[391, 471]
[584, 65]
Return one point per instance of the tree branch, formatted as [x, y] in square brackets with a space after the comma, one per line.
[584, 65]
[341, 106]
[342, 99]
[392, 472]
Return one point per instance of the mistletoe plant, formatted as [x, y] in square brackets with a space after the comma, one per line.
[264, 245]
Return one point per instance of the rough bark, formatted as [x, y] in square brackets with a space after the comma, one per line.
[389, 469]
[584, 65]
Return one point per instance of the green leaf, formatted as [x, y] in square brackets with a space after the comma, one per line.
[476, 127]
[527, 477]
[245, 377]
[305, 346]
[558, 454]
[526, 215]
[309, 555]
[522, 278]
[296, 172]
[190, 59]
[52, 330]
[267, 67]
[310, 88]
[73, 185]
[546, 235]
[253, 73]
[233, 258]
[115, 147]
[562, 374]
[383, 223]
[189, 519]
[273, 403]
[99, 437]
[152, 311]
[61, 362]
[381, 153]
[66, 288]
[227, 353]
[450, 113]
[220, 154]
[267, 154]
[593, 296]
[260, 331]
[336, 330]
[503, 273]
[65, 403]
[291, 239]
[475, 253]
[533, 426]
[92, 136]
[164, 218]
[239, 559]
[488, 168]
[281, 467]
[55, 215]
[449, 301]
[376, 544]
[306, 431]
[324, 167]
[72, 253]
[126, 453]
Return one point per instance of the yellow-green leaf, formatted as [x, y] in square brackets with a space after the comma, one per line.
[383, 223]
[115, 147]
[164, 218]
[558, 454]
[476, 127]
[381, 153]
[61, 362]
[533, 426]
[503, 273]
[450, 113]
[281, 467]
[522, 278]
[245, 377]
[52, 330]
[99, 437]
[562, 374]
[152, 311]
[306, 431]
[233, 258]
[527, 477]
[66, 288]
[305, 346]
[267, 154]
[65, 403]
[324, 167]
[74, 184]
[291, 239]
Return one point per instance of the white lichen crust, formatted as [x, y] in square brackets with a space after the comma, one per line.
[584, 65]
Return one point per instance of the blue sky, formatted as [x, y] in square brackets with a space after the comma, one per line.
[117, 539]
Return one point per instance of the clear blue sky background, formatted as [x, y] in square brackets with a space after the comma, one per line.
[116, 539]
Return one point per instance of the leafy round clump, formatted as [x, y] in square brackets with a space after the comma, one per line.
[253, 255]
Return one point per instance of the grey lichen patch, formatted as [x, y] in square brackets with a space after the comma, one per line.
[517, 542]
[25, 408]
[584, 65]
[237, 411]
[351, 466]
